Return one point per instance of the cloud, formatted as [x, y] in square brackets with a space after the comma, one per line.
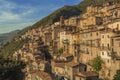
[14, 17]
[14, 26]
[17, 14]
[5, 11]
[8, 11]
[8, 16]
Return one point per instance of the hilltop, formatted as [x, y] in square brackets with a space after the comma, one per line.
[8, 36]
[69, 11]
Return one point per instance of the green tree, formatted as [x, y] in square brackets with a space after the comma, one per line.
[97, 64]
[117, 75]
[61, 50]
[11, 69]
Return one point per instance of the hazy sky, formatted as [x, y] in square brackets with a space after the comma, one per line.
[17, 14]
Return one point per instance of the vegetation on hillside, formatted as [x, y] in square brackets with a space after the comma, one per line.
[5, 37]
[10, 47]
[117, 75]
[60, 51]
[97, 64]
[66, 11]
[69, 11]
[11, 69]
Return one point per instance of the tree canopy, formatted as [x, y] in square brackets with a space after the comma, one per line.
[11, 69]
[117, 75]
[97, 64]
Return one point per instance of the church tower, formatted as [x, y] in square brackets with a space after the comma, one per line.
[61, 21]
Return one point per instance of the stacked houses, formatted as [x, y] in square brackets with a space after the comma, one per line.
[73, 43]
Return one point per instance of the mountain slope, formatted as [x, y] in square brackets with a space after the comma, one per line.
[66, 11]
[69, 11]
[82, 6]
[8, 36]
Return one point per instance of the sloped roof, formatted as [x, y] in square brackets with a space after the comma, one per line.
[87, 74]
[66, 55]
[72, 64]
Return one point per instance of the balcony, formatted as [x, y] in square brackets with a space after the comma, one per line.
[105, 48]
[65, 41]
[84, 44]
[75, 44]
[83, 51]
[87, 44]
[115, 56]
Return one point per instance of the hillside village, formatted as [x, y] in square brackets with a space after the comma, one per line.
[65, 50]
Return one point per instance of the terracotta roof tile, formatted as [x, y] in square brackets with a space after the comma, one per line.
[87, 74]
[66, 55]
[61, 65]
[72, 64]
[42, 74]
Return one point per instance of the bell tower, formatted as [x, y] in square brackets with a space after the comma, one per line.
[61, 21]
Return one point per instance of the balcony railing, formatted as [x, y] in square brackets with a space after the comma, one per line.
[65, 41]
[87, 44]
[83, 51]
[105, 48]
[115, 56]
[76, 44]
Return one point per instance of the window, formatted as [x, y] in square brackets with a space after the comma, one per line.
[113, 61]
[86, 50]
[68, 68]
[91, 34]
[108, 60]
[108, 45]
[117, 25]
[102, 53]
[97, 34]
[90, 69]
[108, 54]
[91, 53]
[109, 73]
[102, 36]
[82, 42]
[75, 53]
[83, 35]
[108, 36]
[102, 45]
[75, 47]
[112, 42]
[86, 35]
[119, 44]
[87, 43]
[64, 47]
